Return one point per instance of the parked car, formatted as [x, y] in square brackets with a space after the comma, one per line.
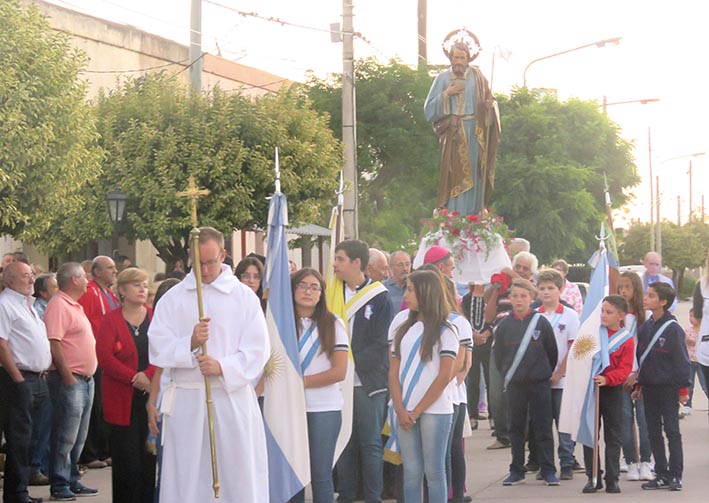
[637, 269]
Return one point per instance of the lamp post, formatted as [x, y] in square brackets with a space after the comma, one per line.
[644, 101]
[116, 201]
[599, 44]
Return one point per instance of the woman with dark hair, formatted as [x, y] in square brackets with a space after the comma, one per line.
[323, 346]
[122, 351]
[424, 346]
[250, 272]
[630, 287]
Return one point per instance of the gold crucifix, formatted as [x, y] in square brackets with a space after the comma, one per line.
[193, 193]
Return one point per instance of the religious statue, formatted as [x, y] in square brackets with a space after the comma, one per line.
[465, 118]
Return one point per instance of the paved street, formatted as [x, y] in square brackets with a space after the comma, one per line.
[486, 469]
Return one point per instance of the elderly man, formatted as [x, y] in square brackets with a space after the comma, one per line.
[377, 269]
[25, 357]
[653, 266]
[98, 301]
[71, 383]
[45, 287]
[400, 267]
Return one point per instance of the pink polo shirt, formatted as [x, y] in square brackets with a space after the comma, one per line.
[66, 322]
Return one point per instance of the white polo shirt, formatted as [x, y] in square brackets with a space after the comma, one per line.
[565, 322]
[446, 347]
[24, 331]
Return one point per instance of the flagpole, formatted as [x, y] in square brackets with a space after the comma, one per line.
[596, 413]
[636, 438]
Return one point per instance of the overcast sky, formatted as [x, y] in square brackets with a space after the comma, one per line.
[662, 55]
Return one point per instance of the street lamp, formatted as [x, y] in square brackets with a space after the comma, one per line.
[599, 44]
[116, 208]
[649, 149]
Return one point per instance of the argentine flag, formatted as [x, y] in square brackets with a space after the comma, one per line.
[588, 356]
[284, 395]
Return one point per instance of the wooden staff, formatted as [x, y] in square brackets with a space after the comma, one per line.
[596, 408]
[194, 193]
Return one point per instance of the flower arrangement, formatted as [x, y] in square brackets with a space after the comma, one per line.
[467, 233]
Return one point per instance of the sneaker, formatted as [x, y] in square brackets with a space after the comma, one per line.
[497, 445]
[513, 479]
[675, 484]
[567, 473]
[591, 488]
[646, 471]
[656, 483]
[473, 424]
[633, 472]
[612, 487]
[623, 466]
[62, 495]
[82, 491]
[39, 479]
[96, 464]
[531, 466]
[550, 479]
[482, 411]
[577, 468]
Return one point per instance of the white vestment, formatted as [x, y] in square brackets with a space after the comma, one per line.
[238, 339]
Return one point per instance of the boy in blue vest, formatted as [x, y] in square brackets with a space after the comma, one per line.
[526, 355]
[663, 377]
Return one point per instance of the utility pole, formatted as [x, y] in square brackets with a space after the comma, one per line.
[690, 191]
[658, 249]
[652, 208]
[196, 46]
[679, 212]
[423, 45]
[349, 119]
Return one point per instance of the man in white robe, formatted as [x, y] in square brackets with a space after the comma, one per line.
[238, 347]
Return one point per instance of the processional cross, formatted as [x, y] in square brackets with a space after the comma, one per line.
[194, 193]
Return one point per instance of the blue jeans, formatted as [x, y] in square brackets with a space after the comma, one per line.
[695, 372]
[365, 448]
[70, 424]
[566, 445]
[423, 450]
[628, 441]
[323, 430]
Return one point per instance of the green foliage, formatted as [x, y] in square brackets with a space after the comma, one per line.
[683, 247]
[48, 139]
[397, 151]
[550, 163]
[156, 134]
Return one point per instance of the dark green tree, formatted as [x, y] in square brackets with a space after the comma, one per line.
[48, 139]
[156, 133]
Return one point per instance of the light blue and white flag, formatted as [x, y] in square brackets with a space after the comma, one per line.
[284, 395]
[588, 356]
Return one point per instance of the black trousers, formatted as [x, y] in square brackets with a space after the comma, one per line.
[133, 475]
[662, 411]
[97, 440]
[534, 398]
[23, 402]
[481, 360]
[610, 401]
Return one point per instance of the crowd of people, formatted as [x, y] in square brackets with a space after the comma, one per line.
[98, 370]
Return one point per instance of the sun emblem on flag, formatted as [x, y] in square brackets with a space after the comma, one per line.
[274, 366]
[584, 346]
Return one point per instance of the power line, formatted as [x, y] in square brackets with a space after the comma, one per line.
[139, 70]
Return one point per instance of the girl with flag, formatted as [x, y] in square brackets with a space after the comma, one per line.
[621, 348]
[424, 346]
[323, 346]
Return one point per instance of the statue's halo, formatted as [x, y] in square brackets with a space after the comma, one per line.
[464, 36]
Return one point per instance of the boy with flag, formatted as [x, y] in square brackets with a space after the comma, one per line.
[526, 354]
[610, 381]
[663, 374]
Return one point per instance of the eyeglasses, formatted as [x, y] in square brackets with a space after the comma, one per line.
[302, 287]
[245, 276]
